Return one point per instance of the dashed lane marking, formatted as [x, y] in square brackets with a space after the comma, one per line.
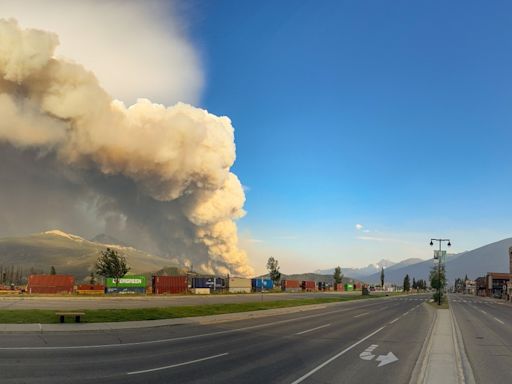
[177, 365]
[312, 329]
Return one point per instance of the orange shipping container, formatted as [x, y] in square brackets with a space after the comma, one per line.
[50, 284]
[308, 285]
[169, 284]
[290, 285]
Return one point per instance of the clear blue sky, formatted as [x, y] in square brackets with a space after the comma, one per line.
[395, 115]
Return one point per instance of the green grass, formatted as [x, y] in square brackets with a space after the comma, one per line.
[26, 316]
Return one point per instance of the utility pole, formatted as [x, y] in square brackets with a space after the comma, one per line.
[439, 260]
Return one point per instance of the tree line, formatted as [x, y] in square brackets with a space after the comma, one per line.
[418, 285]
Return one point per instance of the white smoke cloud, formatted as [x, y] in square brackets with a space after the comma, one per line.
[135, 48]
[159, 174]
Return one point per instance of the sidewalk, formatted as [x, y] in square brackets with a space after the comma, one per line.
[444, 353]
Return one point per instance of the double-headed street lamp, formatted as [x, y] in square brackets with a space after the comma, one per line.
[439, 255]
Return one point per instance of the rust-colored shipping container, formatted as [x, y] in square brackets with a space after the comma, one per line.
[357, 286]
[50, 284]
[339, 287]
[169, 284]
[308, 285]
[290, 285]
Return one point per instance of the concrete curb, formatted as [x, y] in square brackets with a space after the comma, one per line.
[465, 366]
[442, 357]
[418, 373]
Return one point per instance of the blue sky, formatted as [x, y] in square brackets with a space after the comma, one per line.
[388, 114]
[394, 115]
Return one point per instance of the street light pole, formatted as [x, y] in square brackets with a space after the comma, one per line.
[439, 266]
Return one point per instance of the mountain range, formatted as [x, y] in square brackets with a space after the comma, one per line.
[71, 254]
[475, 263]
[75, 255]
[370, 269]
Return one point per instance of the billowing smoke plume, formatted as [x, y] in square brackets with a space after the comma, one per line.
[157, 175]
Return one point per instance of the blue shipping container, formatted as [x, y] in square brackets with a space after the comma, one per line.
[258, 283]
[216, 283]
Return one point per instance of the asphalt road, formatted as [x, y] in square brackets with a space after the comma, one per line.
[150, 301]
[366, 341]
[486, 328]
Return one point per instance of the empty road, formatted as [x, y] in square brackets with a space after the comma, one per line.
[486, 329]
[366, 341]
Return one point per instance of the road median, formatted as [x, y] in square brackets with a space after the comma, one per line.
[442, 359]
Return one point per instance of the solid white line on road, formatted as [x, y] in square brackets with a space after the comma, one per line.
[312, 329]
[392, 321]
[302, 378]
[498, 320]
[481, 310]
[177, 365]
[362, 314]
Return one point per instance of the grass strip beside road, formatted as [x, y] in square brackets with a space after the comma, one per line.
[27, 316]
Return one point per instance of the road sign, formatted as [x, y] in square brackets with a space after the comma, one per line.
[382, 359]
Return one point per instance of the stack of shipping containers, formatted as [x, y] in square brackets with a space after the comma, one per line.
[169, 284]
[126, 285]
[215, 284]
[50, 284]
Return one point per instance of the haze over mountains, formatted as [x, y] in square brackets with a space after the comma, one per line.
[475, 263]
[76, 255]
[361, 273]
[70, 254]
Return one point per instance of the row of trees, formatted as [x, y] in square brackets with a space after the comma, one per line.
[275, 275]
[416, 284]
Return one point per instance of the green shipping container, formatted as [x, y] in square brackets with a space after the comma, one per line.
[127, 282]
[349, 287]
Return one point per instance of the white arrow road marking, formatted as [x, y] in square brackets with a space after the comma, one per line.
[386, 359]
[367, 353]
